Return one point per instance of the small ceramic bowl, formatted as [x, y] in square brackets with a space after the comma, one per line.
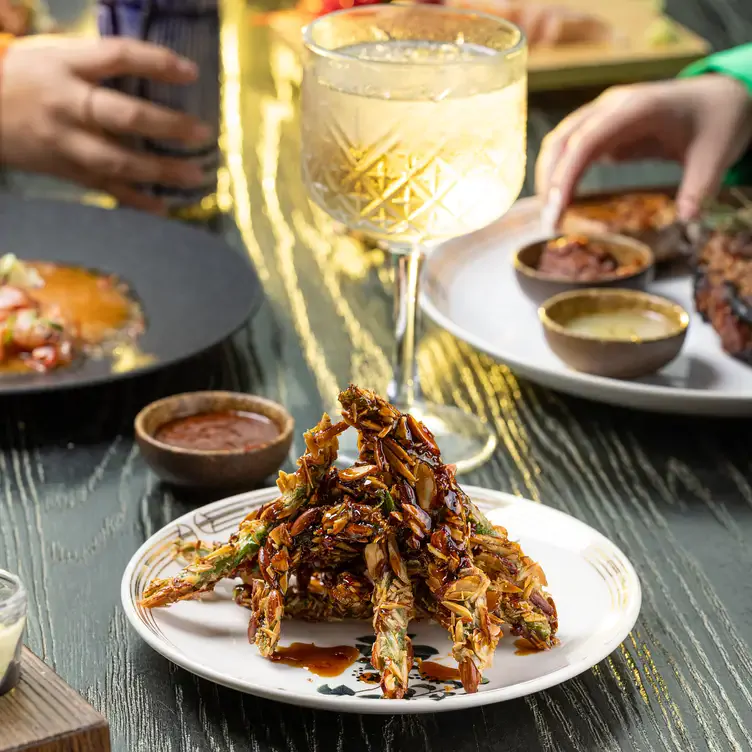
[227, 470]
[618, 358]
[539, 286]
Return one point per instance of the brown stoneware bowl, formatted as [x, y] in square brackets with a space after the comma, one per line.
[224, 469]
[539, 286]
[618, 358]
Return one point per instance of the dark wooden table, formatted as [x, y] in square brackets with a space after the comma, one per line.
[76, 499]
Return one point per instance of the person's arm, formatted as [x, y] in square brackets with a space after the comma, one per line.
[735, 63]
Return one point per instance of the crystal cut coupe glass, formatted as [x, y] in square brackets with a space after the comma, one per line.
[414, 123]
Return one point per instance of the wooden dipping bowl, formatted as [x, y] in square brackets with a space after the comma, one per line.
[538, 286]
[619, 358]
[223, 469]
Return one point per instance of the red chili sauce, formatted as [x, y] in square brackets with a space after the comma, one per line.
[225, 430]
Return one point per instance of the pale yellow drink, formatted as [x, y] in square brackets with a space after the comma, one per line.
[420, 151]
[13, 607]
[10, 637]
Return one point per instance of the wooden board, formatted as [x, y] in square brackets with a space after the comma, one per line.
[628, 57]
[43, 714]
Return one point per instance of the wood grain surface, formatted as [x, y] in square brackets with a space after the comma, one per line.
[43, 714]
[76, 499]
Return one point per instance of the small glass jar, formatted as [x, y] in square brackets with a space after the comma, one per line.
[13, 607]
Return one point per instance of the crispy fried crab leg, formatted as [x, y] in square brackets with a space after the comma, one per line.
[296, 489]
[269, 593]
[431, 503]
[343, 531]
[393, 606]
[191, 551]
[329, 595]
[517, 582]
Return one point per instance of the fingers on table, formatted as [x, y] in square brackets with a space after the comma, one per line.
[118, 113]
[126, 195]
[98, 155]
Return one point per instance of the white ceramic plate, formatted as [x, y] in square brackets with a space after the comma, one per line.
[470, 289]
[596, 590]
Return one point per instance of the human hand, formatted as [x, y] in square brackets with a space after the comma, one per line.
[703, 123]
[15, 18]
[54, 118]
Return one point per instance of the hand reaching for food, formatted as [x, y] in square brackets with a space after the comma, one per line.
[55, 119]
[703, 123]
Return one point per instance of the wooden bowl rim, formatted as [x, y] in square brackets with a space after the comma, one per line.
[679, 315]
[285, 429]
[610, 238]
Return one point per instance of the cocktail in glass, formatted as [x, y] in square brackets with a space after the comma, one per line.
[414, 127]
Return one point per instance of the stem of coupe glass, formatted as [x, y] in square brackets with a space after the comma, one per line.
[404, 388]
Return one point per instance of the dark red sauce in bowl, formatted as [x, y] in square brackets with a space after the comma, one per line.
[225, 430]
[227, 441]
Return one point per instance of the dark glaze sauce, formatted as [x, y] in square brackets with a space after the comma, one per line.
[524, 647]
[225, 430]
[370, 677]
[438, 672]
[318, 660]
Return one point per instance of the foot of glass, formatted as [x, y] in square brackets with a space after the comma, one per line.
[464, 440]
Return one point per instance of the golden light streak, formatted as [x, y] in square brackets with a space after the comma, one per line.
[273, 114]
[233, 137]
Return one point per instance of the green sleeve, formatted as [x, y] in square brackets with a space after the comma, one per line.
[737, 63]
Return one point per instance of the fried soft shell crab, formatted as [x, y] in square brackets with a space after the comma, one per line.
[392, 538]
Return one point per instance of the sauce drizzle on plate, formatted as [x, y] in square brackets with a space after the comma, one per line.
[438, 672]
[318, 660]
[525, 647]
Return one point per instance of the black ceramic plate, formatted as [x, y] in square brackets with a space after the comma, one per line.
[195, 290]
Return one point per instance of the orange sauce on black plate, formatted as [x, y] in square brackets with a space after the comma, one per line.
[99, 307]
[225, 430]
[97, 303]
[318, 660]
